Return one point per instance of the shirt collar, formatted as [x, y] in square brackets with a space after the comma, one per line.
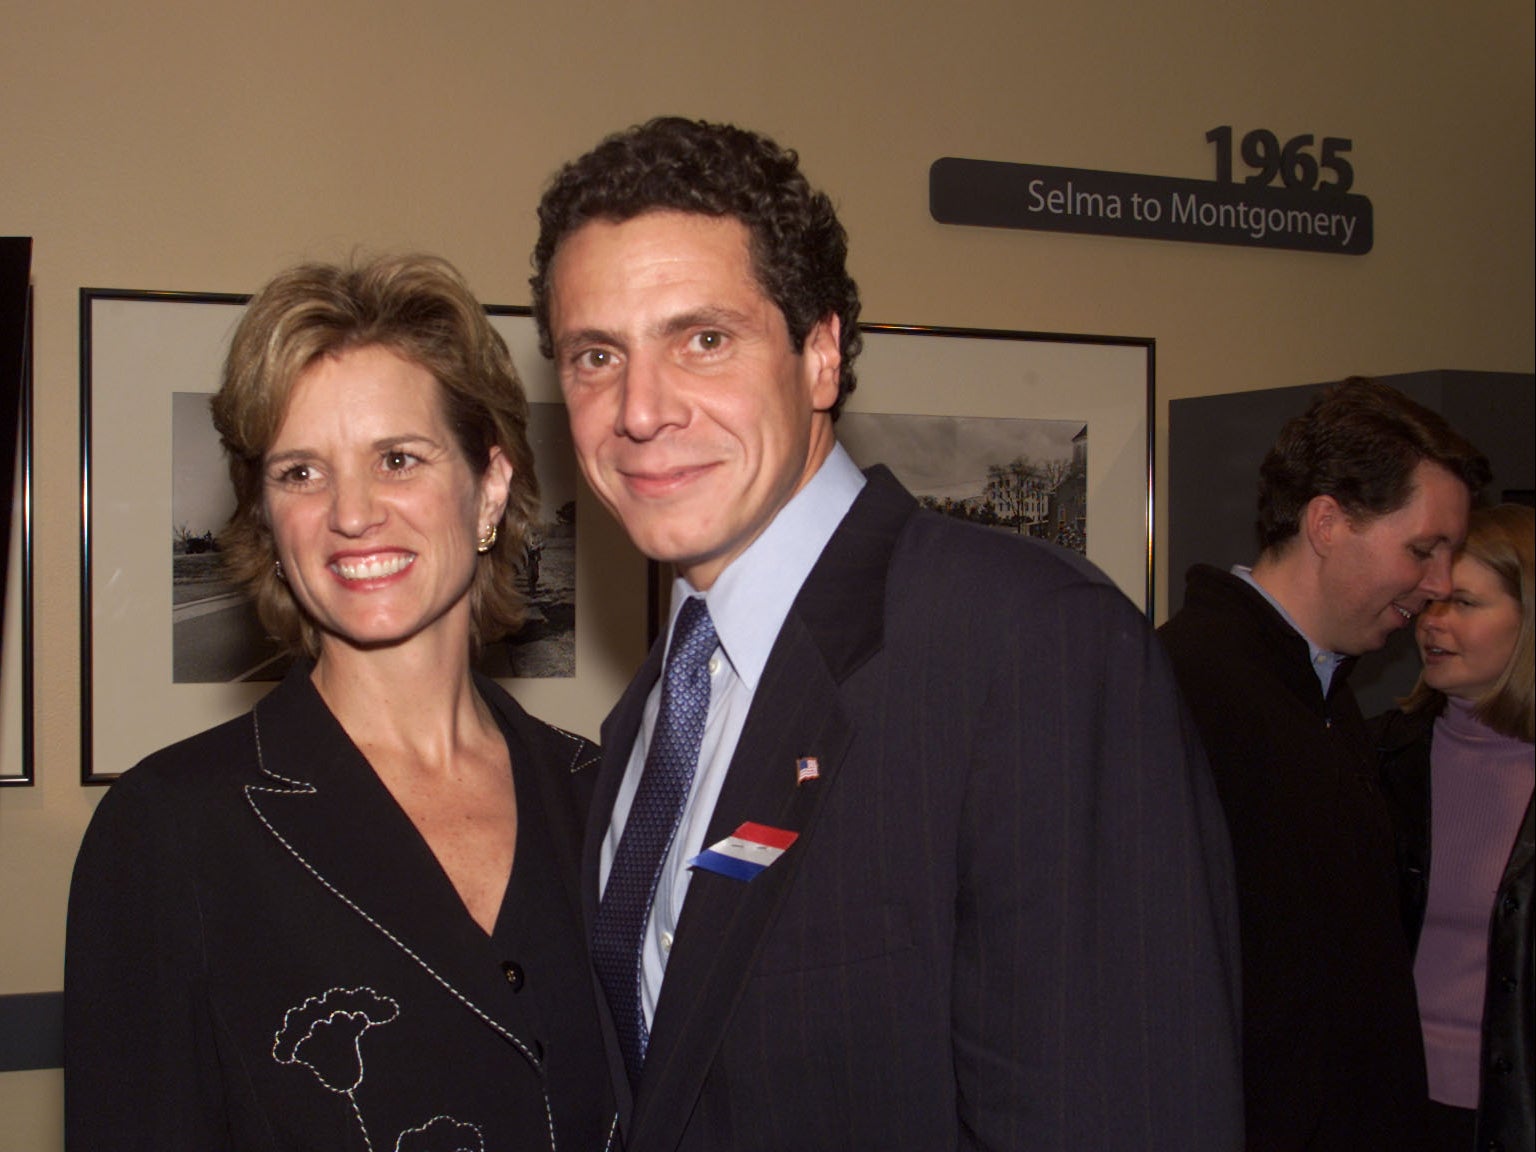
[1324, 662]
[750, 599]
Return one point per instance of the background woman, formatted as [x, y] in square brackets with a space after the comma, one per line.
[1458, 769]
[348, 919]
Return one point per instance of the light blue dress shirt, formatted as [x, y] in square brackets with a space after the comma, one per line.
[1324, 662]
[748, 604]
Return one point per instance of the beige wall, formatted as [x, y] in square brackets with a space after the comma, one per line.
[203, 146]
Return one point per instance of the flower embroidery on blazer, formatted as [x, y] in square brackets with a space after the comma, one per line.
[325, 1034]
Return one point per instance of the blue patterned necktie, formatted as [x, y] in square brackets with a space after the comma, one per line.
[619, 932]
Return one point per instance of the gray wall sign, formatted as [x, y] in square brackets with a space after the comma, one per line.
[994, 194]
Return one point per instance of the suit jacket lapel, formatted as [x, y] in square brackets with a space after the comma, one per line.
[324, 804]
[836, 624]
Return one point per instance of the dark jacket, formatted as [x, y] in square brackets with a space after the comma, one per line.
[1007, 922]
[1332, 1053]
[263, 954]
[1505, 1106]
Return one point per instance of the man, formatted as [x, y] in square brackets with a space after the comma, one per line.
[1362, 502]
[991, 904]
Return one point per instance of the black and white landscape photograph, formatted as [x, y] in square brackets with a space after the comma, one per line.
[1028, 477]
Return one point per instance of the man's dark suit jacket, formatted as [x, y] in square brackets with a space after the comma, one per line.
[1008, 921]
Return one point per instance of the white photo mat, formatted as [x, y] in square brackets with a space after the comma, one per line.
[17, 765]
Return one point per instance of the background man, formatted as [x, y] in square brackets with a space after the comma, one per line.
[1002, 915]
[1362, 501]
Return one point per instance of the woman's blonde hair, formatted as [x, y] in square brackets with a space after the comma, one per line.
[420, 308]
[1504, 538]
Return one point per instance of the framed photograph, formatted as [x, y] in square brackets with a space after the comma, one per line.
[169, 648]
[1033, 433]
[16, 759]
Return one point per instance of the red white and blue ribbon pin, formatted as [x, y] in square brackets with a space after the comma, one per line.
[745, 852]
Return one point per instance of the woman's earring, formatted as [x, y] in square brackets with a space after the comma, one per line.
[487, 540]
[277, 566]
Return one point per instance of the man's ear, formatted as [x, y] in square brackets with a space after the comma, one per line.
[822, 361]
[1322, 521]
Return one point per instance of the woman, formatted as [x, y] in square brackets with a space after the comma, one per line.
[1457, 767]
[349, 919]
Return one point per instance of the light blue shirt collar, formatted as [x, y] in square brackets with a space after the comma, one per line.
[1324, 662]
[750, 599]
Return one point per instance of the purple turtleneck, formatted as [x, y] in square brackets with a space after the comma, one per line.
[1480, 784]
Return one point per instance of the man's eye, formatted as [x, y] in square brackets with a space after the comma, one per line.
[710, 341]
[595, 358]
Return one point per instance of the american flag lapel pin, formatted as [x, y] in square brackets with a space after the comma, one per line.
[807, 768]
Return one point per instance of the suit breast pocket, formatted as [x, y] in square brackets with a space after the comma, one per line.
[808, 937]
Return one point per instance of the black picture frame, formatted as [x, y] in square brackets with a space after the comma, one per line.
[17, 762]
[1107, 382]
[137, 350]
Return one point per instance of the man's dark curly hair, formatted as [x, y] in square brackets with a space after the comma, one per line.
[1360, 442]
[799, 249]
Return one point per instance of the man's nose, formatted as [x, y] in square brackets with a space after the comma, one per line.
[1437, 580]
[650, 399]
